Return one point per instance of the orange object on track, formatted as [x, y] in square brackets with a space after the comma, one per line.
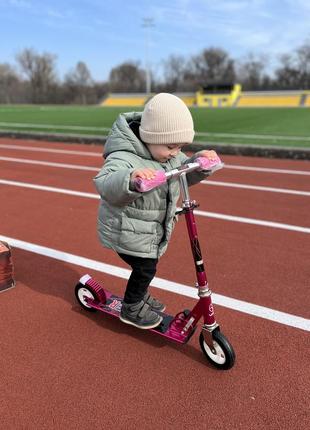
[6, 267]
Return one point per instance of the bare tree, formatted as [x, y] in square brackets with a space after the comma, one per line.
[78, 83]
[212, 65]
[251, 71]
[127, 77]
[40, 70]
[9, 84]
[303, 61]
[174, 71]
[288, 74]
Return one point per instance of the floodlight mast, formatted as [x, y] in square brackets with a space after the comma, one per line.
[148, 23]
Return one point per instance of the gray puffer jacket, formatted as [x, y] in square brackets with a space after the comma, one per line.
[130, 222]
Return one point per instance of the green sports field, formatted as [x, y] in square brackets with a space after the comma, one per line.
[251, 126]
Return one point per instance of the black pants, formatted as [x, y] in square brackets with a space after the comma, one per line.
[143, 271]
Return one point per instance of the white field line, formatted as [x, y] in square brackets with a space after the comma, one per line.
[99, 154]
[255, 136]
[210, 182]
[207, 134]
[52, 126]
[256, 188]
[215, 215]
[163, 284]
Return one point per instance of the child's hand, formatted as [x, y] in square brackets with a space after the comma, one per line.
[212, 155]
[145, 173]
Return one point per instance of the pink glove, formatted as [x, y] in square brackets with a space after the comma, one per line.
[144, 185]
[207, 164]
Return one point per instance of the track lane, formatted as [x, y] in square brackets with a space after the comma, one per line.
[248, 178]
[278, 207]
[267, 179]
[232, 249]
[97, 151]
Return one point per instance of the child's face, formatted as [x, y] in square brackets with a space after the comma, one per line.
[163, 153]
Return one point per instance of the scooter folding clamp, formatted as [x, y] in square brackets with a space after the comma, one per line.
[204, 291]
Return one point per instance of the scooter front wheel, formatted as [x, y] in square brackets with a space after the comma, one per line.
[222, 354]
[83, 292]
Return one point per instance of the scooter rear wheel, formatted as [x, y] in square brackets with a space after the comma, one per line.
[222, 354]
[82, 291]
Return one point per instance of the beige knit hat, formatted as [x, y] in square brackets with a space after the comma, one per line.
[166, 119]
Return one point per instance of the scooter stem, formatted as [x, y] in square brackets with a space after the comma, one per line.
[188, 206]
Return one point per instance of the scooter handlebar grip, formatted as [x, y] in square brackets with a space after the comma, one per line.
[207, 164]
[143, 185]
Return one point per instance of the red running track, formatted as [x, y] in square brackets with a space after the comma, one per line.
[63, 368]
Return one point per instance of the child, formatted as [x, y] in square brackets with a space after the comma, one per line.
[138, 226]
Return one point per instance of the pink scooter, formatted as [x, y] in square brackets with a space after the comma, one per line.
[179, 328]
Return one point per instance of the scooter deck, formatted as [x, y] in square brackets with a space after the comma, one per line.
[176, 328]
[113, 307]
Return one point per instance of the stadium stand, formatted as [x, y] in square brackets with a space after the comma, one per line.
[218, 95]
[270, 99]
[215, 96]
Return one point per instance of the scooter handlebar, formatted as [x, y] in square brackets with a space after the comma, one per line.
[144, 185]
[209, 165]
[161, 177]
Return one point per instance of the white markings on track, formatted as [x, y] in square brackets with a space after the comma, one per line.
[50, 189]
[49, 164]
[163, 284]
[197, 212]
[256, 188]
[209, 182]
[268, 170]
[55, 151]
[254, 221]
[98, 154]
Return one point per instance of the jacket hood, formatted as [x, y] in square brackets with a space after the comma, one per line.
[122, 138]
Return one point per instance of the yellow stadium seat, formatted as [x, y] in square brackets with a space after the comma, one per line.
[269, 100]
[128, 100]
[124, 100]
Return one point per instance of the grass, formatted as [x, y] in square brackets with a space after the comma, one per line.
[261, 126]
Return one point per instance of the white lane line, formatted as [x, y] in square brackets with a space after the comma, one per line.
[50, 189]
[253, 221]
[267, 170]
[163, 284]
[55, 151]
[99, 154]
[50, 164]
[224, 217]
[256, 188]
[210, 182]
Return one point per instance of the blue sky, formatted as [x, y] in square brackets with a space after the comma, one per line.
[103, 34]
